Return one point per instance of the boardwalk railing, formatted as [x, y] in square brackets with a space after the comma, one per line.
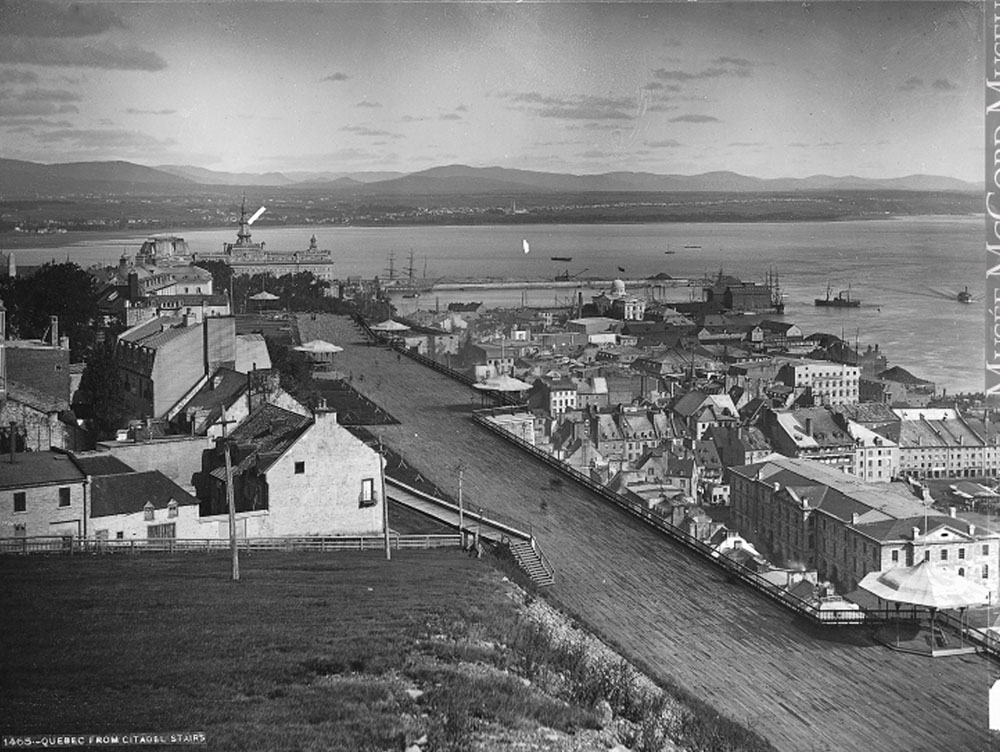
[473, 513]
[817, 614]
[72, 545]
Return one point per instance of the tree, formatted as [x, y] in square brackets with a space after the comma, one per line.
[102, 386]
[64, 290]
[294, 371]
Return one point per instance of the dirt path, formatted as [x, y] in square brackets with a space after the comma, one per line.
[800, 687]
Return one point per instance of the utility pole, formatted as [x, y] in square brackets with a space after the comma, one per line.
[230, 500]
[385, 501]
[461, 508]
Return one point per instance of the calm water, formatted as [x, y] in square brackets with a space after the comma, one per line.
[906, 271]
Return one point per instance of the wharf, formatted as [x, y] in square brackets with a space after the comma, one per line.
[586, 282]
[801, 687]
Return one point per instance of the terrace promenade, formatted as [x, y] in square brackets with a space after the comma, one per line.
[803, 688]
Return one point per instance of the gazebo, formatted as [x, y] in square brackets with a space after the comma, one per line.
[319, 352]
[263, 299]
[930, 587]
[390, 329]
[501, 384]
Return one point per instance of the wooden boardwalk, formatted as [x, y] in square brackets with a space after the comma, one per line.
[803, 688]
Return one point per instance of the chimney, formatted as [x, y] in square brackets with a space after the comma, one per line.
[972, 529]
[54, 327]
[916, 532]
[13, 441]
[133, 287]
[809, 426]
[951, 511]
[855, 517]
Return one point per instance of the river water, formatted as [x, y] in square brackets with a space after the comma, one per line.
[906, 271]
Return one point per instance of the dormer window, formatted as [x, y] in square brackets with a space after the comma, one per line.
[172, 508]
[149, 512]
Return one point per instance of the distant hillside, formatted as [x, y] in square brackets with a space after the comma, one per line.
[211, 177]
[463, 179]
[18, 178]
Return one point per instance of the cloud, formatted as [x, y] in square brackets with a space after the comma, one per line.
[45, 95]
[745, 144]
[665, 144]
[461, 108]
[363, 130]
[942, 84]
[661, 107]
[695, 119]
[133, 111]
[25, 122]
[449, 116]
[413, 118]
[912, 84]
[38, 18]
[366, 103]
[103, 55]
[113, 139]
[575, 107]
[14, 76]
[338, 76]
[721, 67]
[37, 103]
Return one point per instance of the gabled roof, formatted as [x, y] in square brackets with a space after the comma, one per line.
[265, 435]
[222, 390]
[902, 529]
[128, 493]
[99, 463]
[38, 469]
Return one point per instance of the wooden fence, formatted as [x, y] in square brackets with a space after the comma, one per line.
[72, 545]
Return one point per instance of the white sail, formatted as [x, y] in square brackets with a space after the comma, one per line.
[524, 243]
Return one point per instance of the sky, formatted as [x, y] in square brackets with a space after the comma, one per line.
[765, 89]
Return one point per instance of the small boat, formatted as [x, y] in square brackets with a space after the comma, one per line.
[669, 251]
[965, 296]
[562, 258]
[693, 247]
[842, 299]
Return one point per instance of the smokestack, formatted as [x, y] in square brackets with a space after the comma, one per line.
[54, 326]
[13, 441]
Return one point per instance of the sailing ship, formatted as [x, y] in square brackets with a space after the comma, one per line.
[965, 296]
[842, 299]
[561, 258]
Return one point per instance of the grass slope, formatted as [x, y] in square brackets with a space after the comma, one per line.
[314, 652]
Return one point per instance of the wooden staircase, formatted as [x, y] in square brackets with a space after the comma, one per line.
[532, 562]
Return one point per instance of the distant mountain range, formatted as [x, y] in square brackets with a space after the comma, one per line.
[23, 179]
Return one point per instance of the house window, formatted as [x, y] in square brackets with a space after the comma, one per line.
[166, 531]
[961, 553]
[367, 498]
[20, 501]
[19, 530]
[64, 497]
[895, 555]
[944, 554]
[986, 549]
[172, 508]
[120, 534]
[927, 555]
[149, 512]
[986, 571]
[961, 571]
[300, 468]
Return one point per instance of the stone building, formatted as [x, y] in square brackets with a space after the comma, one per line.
[295, 475]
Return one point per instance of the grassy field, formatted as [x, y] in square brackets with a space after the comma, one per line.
[310, 652]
